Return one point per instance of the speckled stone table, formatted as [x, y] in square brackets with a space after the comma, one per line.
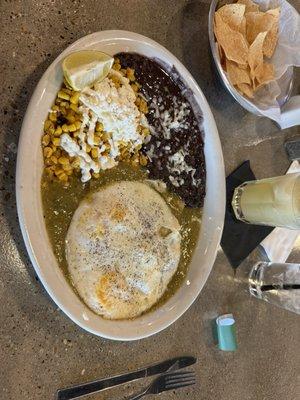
[41, 349]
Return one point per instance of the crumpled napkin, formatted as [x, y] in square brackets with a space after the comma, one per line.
[286, 55]
[279, 243]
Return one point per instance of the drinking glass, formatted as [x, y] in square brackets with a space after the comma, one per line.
[278, 284]
[272, 201]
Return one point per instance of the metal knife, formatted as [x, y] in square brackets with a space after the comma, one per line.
[95, 386]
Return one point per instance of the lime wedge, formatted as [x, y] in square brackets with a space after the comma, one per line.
[83, 68]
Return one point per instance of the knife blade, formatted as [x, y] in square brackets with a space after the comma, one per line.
[84, 389]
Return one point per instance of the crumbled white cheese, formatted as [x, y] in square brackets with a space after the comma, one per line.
[176, 165]
[91, 129]
[168, 120]
[115, 108]
[177, 162]
[150, 152]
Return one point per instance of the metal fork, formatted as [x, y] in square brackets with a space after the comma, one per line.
[174, 380]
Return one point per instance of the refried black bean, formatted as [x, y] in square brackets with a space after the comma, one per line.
[170, 94]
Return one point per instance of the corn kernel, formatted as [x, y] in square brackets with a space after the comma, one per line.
[99, 126]
[69, 172]
[63, 160]
[63, 95]
[58, 171]
[143, 160]
[96, 175]
[78, 124]
[63, 177]
[117, 66]
[55, 108]
[53, 159]
[130, 74]
[71, 118]
[49, 171]
[88, 148]
[63, 111]
[97, 140]
[143, 106]
[145, 131]
[76, 163]
[116, 81]
[65, 128]
[67, 167]
[72, 128]
[57, 153]
[134, 87]
[74, 107]
[75, 98]
[56, 141]
[68, 91]
[106, 136]
[135, 162]
[58, 131]
[47, 124]
[123, 71]
[94, 152]
[52, 117]
[47, 152]
[46, 140]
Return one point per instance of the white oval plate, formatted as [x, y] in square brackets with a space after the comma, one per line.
[29, 203]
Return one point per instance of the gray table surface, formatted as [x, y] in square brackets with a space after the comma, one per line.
[41, 349]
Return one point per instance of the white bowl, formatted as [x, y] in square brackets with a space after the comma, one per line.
[29, 171]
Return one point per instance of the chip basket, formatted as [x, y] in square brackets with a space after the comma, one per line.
[290, 106]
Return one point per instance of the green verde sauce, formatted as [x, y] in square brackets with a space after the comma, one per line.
[60, 203]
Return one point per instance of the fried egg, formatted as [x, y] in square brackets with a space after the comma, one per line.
[122, 249]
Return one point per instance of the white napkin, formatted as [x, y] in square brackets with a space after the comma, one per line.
[279, 243]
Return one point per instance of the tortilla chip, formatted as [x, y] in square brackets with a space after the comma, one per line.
[233, 43]
[256, 56]
[245, 89]
[264, 74]
[237, 75]
[221, 56]
[257, 22]
[232, 14]
[272, 36]
[250, 6]
[243, 66]
[243, 26]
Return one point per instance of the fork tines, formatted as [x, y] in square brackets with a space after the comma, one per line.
[180, 379]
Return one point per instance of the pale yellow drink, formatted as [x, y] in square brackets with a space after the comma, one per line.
[272, 201]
